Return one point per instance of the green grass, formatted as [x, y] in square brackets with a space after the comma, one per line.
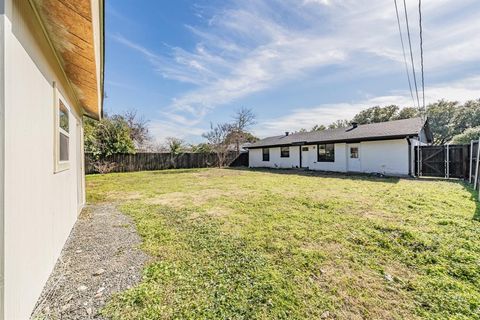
[238, 244]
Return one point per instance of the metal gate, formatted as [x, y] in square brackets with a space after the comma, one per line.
[448, 161]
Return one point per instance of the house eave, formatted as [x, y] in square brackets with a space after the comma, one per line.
[75, 32]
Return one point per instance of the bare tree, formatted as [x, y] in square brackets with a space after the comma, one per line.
[242, 120]
[138, 129]
[218, 138]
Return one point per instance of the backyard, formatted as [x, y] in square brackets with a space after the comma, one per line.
[257, 244]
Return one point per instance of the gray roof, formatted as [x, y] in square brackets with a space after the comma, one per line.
[375, 131]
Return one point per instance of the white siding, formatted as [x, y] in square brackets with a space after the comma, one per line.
[40, 206]
[389, 157]
[256, 159]
[339, 165]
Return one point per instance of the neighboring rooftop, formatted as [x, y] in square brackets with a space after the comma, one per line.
[375, 131]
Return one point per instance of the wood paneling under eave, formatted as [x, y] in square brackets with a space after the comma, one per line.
[69, 27]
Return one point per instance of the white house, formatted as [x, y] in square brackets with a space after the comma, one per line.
[385, 148]
[51, 74]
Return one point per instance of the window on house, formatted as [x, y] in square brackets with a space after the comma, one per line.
[354, 152]
[326, 152]
[266, 154]
[304, 148]
[62, 133]
[285, 152]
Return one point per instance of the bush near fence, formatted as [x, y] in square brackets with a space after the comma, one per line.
[161, 161]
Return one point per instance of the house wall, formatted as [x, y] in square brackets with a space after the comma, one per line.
[339, 165]
[256, 160]
[389, 157]
[41, 206]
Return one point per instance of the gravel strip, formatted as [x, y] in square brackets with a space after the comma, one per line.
[101, 257]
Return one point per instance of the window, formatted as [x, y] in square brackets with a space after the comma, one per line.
[62, 133]
[284, 152]
[304, 148]
[354, 152]
[266, 154]
[326, 152]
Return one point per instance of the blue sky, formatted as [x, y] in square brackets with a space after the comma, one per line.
[183, 64]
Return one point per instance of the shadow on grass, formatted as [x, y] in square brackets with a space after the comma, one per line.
[325, 174]
[474, 197]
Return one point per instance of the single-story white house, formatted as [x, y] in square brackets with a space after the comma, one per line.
[51, 75]
[385, 148]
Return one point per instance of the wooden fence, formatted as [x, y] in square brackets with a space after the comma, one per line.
[446, 161]
[160, 161]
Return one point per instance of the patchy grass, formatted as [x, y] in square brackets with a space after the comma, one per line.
[238, 244]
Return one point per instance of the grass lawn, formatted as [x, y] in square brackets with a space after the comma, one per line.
[238, 244]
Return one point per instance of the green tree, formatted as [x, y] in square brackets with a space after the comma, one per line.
[339, 124]
[108, 136]
[467, 116]
[376, 114]
[201, 148]
[467, 136]
[441, 116]
[175, 145]
[319, 127]
[407, 113]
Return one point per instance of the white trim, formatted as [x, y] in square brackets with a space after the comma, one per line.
[4, 27]
[60, 166]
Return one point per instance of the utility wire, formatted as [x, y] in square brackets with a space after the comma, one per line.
[403, 49]
[421, 54]
[411, 53]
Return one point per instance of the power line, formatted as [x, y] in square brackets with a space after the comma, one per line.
[403, 49]
[411, 53]
[421, 51]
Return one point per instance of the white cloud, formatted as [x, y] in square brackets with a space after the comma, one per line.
[325, 114]
[250, 46]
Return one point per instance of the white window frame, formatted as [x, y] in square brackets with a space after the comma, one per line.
[60, 165]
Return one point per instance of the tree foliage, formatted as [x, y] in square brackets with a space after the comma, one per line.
[115, 134]
[467, 136]
[376, 114]
[108, 136]
[175, 145]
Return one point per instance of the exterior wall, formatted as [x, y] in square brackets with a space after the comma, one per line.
[339, 165]
[256, 160]
[390, 157]
[41, 206]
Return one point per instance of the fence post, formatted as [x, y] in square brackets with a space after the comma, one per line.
[447, 164]
[476, 166]
[471, 161]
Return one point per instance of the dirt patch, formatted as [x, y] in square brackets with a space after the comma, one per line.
[197, 198]
[101, 257]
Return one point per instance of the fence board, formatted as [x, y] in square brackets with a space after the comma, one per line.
[161, 161]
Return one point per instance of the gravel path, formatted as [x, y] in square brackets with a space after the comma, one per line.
[101, 257]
